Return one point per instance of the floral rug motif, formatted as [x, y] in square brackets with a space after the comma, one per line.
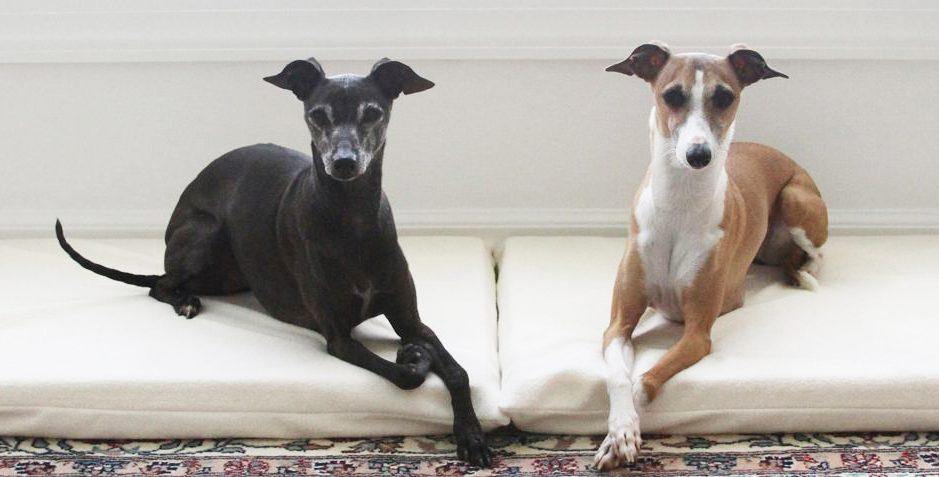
[517, 454]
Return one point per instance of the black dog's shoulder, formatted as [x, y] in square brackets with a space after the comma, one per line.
[270, 150]
[266, 166]
[249, 180]
[265, 155]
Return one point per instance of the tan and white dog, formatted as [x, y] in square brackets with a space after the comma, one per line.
[706, 210]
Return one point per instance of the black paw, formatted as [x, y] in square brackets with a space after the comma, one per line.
[407, 378]
[188, 307]
[415, 358]
[471, 445]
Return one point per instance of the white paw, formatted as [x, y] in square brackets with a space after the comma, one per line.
[621, 444]
[806, 280]
[640, 395]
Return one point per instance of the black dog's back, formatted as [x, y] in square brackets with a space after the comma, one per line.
[244, 182]
[223, 232]
[222, 235]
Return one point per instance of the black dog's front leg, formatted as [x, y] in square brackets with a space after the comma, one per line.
[470, 440]
[405, 375]
[403, 316]
[412, 363]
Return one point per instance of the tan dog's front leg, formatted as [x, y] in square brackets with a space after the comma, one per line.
[629, 303]
[694, 344]
[700, 306]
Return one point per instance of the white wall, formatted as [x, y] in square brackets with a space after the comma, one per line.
[512, 139]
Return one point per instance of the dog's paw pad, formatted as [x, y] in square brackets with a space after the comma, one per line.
[415, 359]
[412, 354]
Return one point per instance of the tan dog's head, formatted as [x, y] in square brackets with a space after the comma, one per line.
[696, 97]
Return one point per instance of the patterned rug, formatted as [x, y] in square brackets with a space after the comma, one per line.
[518, 454]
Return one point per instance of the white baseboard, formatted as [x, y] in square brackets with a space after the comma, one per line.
[486, 222]
[188, 30]
[884, 221]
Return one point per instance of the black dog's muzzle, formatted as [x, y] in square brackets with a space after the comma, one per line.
[345, 161]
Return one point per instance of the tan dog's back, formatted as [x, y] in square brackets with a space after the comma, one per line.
[797, 219]
[761, 174]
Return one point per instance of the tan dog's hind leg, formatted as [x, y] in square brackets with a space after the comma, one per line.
[629, 303]
[805, 215]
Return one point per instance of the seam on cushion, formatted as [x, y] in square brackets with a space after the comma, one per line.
[561, 412]
[475, 389]
[348, 414]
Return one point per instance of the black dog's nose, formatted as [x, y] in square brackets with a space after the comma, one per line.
[344, 166]
[698, 155]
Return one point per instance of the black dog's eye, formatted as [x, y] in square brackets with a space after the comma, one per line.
[674, 97]
[722, 98]
[319, 118]
[370, 114]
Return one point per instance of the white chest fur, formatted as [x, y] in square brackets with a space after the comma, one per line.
[679, 212]
[674, 245]
[365, 294]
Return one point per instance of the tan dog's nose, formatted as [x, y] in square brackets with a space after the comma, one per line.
[698, 155]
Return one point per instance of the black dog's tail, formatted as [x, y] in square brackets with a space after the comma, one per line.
[138, 280]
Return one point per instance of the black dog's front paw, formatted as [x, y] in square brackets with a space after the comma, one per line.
[406, 378]
[414, 363]
[471, 445]
[415, 358]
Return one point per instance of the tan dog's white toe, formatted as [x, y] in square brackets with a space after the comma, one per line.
[621, 444]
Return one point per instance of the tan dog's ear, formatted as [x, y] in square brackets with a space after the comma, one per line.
[645, 61]
[749, 66]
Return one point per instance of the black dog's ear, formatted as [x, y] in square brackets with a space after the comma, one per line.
[299, 76]
[749, 66]
[394, 78]
[645, 61]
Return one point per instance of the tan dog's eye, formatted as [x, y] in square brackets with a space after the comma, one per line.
[722, 98]
[674, 97]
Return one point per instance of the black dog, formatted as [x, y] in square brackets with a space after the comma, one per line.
[314, 239]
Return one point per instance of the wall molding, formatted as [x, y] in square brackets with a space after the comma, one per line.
[486, 222]
[181, 30]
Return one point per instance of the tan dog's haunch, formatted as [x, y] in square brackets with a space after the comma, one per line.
[706, 210]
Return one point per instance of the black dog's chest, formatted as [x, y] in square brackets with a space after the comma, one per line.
[358, 300]
[366, 297]
[354, 277]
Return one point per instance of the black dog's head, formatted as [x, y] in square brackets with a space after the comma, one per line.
[347, 114]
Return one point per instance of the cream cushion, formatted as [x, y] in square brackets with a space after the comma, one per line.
[861, 353]
[82, 356]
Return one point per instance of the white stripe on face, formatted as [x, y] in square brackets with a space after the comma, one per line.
[696, 129]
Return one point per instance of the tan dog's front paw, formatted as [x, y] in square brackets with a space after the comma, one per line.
[620, 446]
[644, 391]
